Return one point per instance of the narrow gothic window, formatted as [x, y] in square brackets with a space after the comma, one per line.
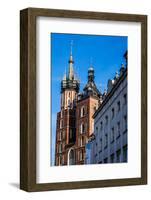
[81, 141]
[82, 111]
[82, 128]
[60, 148]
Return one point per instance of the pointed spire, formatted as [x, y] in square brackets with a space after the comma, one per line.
[71, 57]
[71, 62]
[71, 45]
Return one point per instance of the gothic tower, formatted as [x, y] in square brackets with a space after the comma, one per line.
[66, 118]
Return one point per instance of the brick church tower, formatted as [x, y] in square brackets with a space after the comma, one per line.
[66, 118]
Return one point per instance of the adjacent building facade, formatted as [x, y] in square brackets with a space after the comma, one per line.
[110, 123]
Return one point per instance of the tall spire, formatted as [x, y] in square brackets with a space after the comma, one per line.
[70, 81]
[71, 62]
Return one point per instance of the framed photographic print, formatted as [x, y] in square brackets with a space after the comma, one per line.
[83, 99]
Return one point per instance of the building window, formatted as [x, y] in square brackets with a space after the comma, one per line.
[61, 123]
[125, 123]
[63, 135]
[60, 160]
[106, 120]
[112, 135]
[81, 141]
[60, 147]
[82, 111]
[118, 129]
[101, 126]
[70, 134]
[125, 99]
[118, 106]
[118, 156]
[112, 158]
[106, 141]
[82, 128]
[100, 144]
[113, 113]
[125, 153]
[81, 155]
[106, 160]
[60, 135]
[96, 131]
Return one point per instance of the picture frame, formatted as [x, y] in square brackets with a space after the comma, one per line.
[28, 98]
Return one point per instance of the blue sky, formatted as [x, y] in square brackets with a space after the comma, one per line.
[104, 52]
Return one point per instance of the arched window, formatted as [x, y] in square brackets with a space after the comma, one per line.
[71, 157]
[82, 111]
[82, 128]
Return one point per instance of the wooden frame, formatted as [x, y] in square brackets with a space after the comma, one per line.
[28, 98]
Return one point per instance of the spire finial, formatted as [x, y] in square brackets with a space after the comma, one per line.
[71, 45]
